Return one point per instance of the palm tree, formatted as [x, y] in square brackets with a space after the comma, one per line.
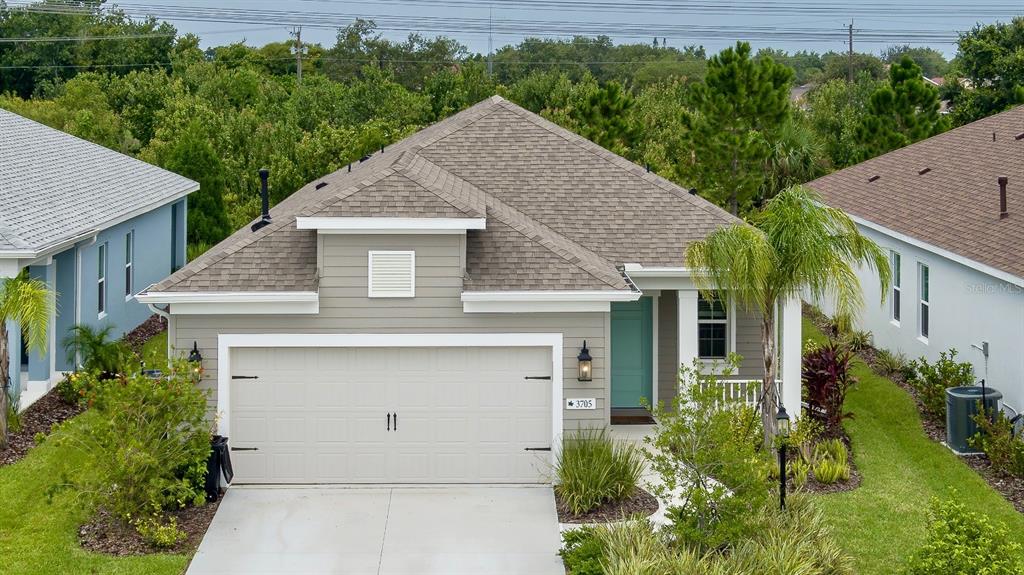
[795, 243]
[96, 350]
[28, 302]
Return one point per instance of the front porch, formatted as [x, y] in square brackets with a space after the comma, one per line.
[673, 325]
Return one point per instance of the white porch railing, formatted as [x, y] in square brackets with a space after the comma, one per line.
[743, 390]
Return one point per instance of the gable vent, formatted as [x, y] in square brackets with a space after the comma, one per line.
[392, 274]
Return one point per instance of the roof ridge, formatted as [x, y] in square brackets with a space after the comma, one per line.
[618, 161]
[413, 171]
[584, 258]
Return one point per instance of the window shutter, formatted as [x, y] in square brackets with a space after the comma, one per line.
[392, 274]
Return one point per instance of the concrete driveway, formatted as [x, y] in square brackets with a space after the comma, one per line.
[382, 530]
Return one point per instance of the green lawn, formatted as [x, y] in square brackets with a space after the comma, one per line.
[37, 537]
[884, 520]
[154, 351]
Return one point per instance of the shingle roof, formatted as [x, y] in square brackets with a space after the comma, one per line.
[562, 213]
[55, 187]
[954, 203]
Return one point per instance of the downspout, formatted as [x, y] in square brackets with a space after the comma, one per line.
[164, 313]
[78, 286]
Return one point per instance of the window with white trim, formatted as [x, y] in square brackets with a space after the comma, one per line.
[392, 274]
[129, 257]
[894, 305]
[925, 302]
[101, 280]
[712, 328]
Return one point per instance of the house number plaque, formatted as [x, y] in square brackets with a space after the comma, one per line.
[581, 403]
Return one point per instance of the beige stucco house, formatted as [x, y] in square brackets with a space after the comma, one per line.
[419, 317]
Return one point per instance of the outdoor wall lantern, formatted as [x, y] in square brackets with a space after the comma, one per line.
[586, 369]
[782, 419]
[196, 359]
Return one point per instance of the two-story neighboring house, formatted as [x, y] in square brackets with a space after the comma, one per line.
[95, 225]
[440, 312]
[950, 212]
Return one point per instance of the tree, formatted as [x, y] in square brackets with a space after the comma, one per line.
[28, 303]
[900, 113]
[795, 155]
[795, 243]
[193, 157]
[991, 67]
[834, 111]
[605, 118]
[931, 61]
[733, 113]
[837, 66]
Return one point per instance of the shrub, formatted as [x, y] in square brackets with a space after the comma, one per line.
[97, 351]
[145, 444]
[635, 548]
[828, 472]
[857, 340]
[805, 435]
[158, 533]
[593, 468]
[826, 380]
[995, 437]
[582, 551]
[930, 381]
[707, 450]
[79, 387]
[799, 470]
[964, 541]
[832, 450]
[890, 364]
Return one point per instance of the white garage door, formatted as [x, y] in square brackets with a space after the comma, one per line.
[390, 415]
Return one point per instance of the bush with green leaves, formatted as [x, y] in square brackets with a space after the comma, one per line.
[996, 439]
[930, 381]
[858, 340]
[708, 449]
[79, 387]
[593, 468]
[96, 350]
[890, 364]
[145, 444]
[964, 541]
[582, 551]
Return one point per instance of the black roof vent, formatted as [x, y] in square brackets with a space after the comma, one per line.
[874, 178]
[693, 191]
[364, 158]
[320, 185]
[923, 171]
[264, 200]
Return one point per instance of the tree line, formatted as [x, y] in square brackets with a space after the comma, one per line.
[724, 124]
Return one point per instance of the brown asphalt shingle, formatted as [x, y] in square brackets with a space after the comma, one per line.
[562, 213]
[954, 205]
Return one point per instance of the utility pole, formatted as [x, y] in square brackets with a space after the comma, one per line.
[490, 41]
[297, 32]
[849, 72]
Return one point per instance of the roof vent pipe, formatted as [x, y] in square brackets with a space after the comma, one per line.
[264, 200]
[1003, 180]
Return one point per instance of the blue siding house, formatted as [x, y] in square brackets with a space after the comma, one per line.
[97, 226]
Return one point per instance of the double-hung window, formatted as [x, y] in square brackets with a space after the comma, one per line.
[894, 264]
[712, 328]
[101, 280]
[129, 257]
[925, 301]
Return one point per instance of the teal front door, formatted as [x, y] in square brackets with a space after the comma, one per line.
[632, 369]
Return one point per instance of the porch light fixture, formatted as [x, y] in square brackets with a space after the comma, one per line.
[782, 432]
[196, 359]
[586, 364]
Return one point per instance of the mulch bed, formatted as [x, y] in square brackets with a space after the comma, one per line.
[40, 417]
[144, 332]
[1012, 488]
[814, 486]
[642, 503]
[105, 534]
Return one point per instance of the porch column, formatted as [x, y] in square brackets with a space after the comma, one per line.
[791, 354]
[687, 326]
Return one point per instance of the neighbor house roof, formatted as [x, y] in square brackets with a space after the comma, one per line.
[561, 212]
[55, 187]
[944, 191]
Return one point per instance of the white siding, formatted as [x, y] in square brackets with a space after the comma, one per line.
[967, 307]
[437, 308]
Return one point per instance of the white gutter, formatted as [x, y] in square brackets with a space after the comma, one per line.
[551, 296]
[640, 271]
[338, 225]
[226, 297]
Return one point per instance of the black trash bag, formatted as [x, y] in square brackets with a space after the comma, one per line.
[218, 464]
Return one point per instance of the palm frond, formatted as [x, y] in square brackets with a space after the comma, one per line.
[30, 303]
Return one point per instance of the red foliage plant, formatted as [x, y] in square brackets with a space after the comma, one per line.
[826, 379]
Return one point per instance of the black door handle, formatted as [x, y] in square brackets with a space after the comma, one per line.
[396, 421]
[245, 377]
[536, 449]
[245, 449]
[389, 422]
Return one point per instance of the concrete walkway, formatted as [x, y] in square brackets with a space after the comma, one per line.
[382, 530]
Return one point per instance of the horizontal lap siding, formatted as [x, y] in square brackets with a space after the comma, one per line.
[437, 308]
[748, 343]
[668, 346]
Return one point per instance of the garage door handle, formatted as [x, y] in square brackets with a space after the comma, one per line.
[245, 449]
[547, 377]
[245, 377]
[389, 422]
[537, 449]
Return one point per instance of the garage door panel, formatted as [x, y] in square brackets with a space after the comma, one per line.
[320, 415]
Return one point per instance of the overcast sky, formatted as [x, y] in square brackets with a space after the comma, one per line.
[790, 24]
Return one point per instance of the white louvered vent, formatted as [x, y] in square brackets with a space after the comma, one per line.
[392, 274]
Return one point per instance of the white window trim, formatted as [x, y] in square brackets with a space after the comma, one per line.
[101, 280]
[730, 343]
[921, 267]
[227, 342]
[412, 271]
[129, 265]
[347, 225]
[897, 272]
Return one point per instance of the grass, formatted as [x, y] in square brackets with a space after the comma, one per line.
[884, 521]
[38, 537]
[154, 351]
